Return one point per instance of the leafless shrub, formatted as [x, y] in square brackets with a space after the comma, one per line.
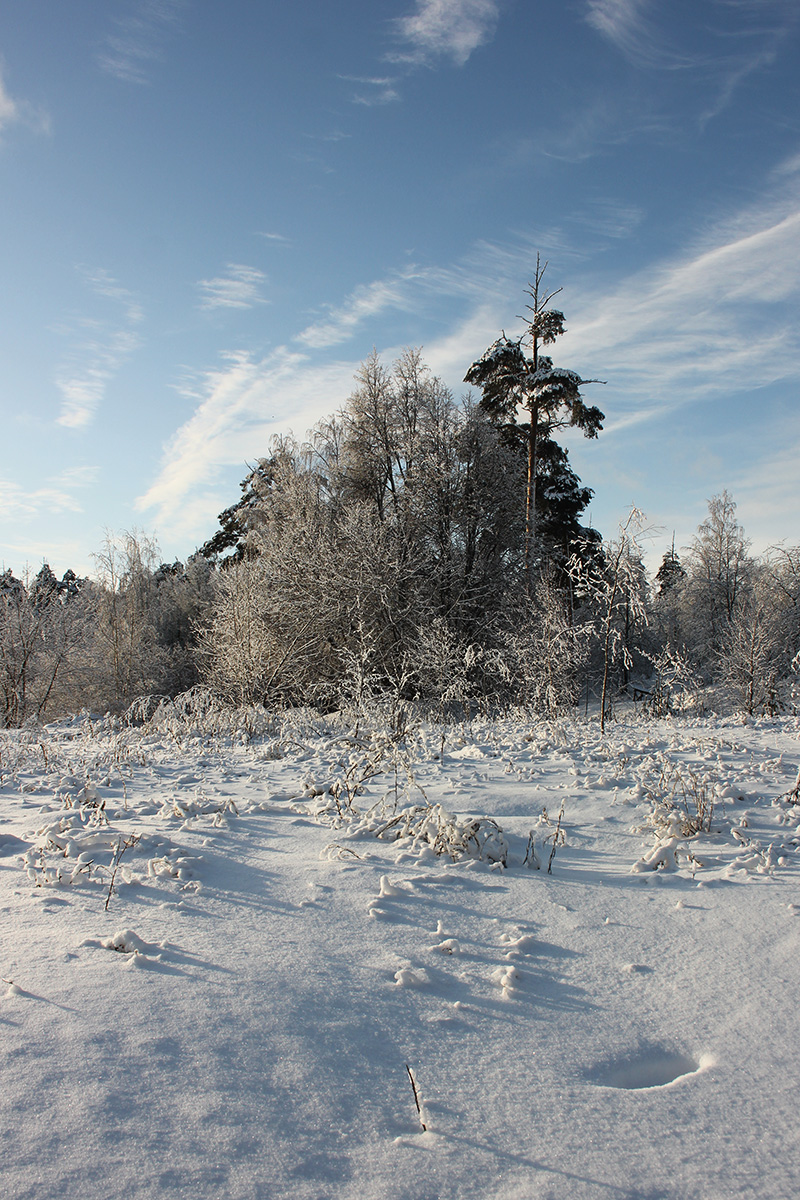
[615, 589]
[122, 845]
[337, 802]
[682, 802]
[544, 650]
[752, 657]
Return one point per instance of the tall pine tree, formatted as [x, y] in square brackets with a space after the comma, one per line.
[512, 376]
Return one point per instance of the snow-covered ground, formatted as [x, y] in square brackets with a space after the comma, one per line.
[241, 1010]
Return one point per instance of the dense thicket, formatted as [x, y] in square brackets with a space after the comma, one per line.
[390, 555]
[372, 556]
[71, 644]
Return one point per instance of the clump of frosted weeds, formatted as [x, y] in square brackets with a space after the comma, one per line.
[362, 757]
[198, 715]
[446, 834]
[682, 802]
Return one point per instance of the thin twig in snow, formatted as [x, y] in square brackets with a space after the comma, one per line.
[416, 1097]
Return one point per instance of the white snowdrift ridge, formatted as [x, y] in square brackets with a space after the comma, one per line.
[224, 974]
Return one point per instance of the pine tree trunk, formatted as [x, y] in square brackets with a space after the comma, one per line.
[533, 448]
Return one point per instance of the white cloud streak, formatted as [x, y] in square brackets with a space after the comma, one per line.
[138, 40]
[365, 302]
[238, 288]
[638, 30]
[446, 29]
[239, 407]
[372, 91]
[102, 347]
[627, 25]
[9, 110]
[275, 238]
[723, 319]
[19, 503]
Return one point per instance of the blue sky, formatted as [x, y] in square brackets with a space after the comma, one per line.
[212, 213]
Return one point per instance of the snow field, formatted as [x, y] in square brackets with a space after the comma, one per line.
[237, 1022]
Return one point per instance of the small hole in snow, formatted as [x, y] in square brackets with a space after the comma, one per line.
[649, 1067]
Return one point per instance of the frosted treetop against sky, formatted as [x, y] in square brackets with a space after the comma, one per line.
[213, 212]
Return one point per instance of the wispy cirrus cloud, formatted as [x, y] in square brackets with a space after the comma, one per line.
[239, 287]
[335, 135]
[239, 406]
[591, 128]
[721, 59]
[363, 303]
[9, 109]
[451, 29]
[722, 319]
[435, 30]
[607, 218]
[101, 346]
[138, 39]
[631, 27]
[276, 238]
[372, 91]
[20, 503]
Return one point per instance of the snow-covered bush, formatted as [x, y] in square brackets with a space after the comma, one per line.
[200, 713]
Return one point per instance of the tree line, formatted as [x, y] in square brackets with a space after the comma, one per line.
[423, 548]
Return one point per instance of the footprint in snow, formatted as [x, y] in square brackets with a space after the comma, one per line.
[652, 1066]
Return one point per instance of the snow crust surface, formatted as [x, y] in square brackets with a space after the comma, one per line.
[214, 982]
